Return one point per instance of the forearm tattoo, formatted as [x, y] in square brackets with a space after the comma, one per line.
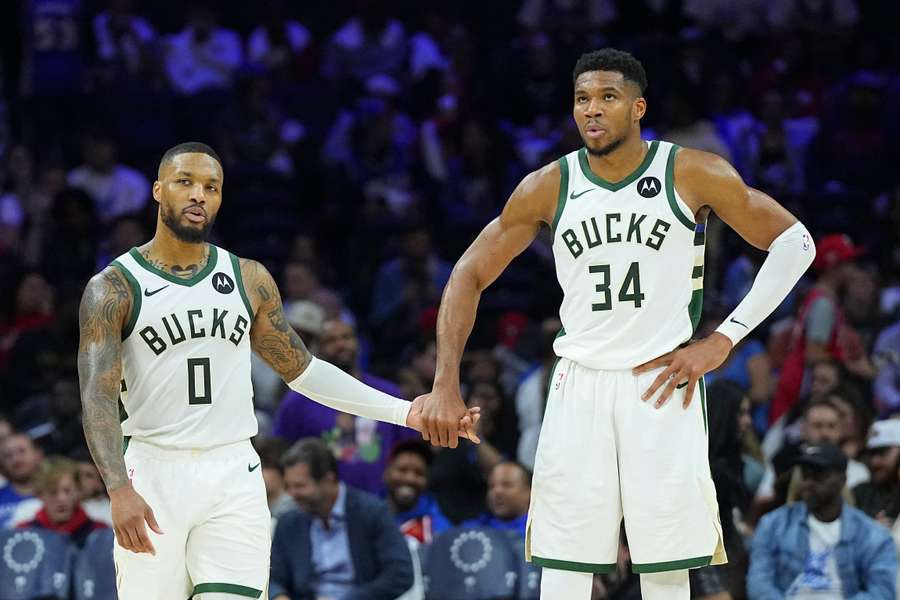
[105, 302]
[271, 336]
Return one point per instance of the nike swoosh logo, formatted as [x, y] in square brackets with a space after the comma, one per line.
[733, 320]
[149, 293]
[253, 468]
[573, 195]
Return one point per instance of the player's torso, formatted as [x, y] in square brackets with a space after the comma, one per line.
[186, 354]
[629, 259]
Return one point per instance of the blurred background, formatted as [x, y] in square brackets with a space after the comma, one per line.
[365, 143]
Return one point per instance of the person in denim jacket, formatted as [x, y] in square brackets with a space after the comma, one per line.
[821, 548]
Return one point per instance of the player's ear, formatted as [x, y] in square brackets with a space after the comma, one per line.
[638, 108]
[157, 190]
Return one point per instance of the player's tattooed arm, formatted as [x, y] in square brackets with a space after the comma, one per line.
[104, 307]
[271, 336]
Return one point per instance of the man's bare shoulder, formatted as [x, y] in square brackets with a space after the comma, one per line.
[538, 192]
[701, 176]
[106, 299]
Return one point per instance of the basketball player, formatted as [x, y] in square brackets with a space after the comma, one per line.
[166, 335]
[621, 435]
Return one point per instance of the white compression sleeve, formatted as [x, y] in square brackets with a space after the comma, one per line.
[790, 254]
[328, 385]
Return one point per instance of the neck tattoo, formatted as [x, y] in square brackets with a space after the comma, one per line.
[183, 272]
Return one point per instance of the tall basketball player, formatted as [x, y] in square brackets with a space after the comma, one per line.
[166, 335]
[621, 435]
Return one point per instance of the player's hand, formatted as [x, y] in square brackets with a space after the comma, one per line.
[129, 513]
[442, 412]
[685, 366]
[466, 425]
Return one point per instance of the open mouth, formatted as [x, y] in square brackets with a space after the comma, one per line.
[594, 131]
[195, 214]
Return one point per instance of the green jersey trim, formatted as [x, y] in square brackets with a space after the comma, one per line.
[618, 185]
[563, 190]
[226, 588]
[569, 565]
[673, 565]
[703, 404]
[190, 281]
[236, 265]
[670, 190]
[135, 299]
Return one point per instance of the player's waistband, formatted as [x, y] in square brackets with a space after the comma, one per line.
[145, 448]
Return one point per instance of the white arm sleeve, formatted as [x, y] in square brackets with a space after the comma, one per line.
[328, 385]
[790, 254]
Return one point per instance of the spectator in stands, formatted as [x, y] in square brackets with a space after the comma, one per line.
[821, 423]
[887, 382]
[406, 479]
[280, 42]
[203, 56]
[115, 188]
[417, 375]
[820, 331]
[57, 486]
[370, 43]
[825, 378]
[531, 395]
[361, 445]
[459, 475]
[822, 546]
[343, 544]
[90, 485]
[21, 460]
[508, 497]
[124, 42]
[271, 450]
[880, 497]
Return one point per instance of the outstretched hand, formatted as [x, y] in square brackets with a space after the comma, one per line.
[443, 421]
[685, 366]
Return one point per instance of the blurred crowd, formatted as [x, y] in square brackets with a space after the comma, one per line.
[365, 143]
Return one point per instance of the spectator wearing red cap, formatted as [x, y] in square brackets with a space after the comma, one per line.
[820, 330]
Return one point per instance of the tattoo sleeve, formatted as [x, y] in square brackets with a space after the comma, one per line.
[104, 306]
[271, 336]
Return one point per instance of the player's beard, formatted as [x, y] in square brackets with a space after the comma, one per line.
[610, 147]
[184, 233]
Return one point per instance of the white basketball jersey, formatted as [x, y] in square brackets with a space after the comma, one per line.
[629, 259]
[186, 354]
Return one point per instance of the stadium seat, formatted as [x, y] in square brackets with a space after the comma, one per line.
[36, 564]
[471, 564]
[94, 575]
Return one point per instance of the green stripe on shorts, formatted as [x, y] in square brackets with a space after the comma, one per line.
[568, 565]
[226, 588]
[674, 565]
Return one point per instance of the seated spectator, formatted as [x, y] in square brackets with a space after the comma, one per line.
[887, 382]
[56, 484]
[20, 460]
[821, 547]
[270, 451]
[203, 56]
[879, 497]
[361, 445]
[406, 478]
[508, 497]
[115, 188]
[344, 544]
[821, 423]
[93, 492]
[459, 475]
[417, 377]
[531, 395]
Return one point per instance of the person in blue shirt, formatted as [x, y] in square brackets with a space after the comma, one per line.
[406, 478]
[20, 459]
[821, 547]
[508, 496]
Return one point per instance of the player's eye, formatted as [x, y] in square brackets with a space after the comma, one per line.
[184, 181]
[609, 97]
[212, 188]
[580, 98]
